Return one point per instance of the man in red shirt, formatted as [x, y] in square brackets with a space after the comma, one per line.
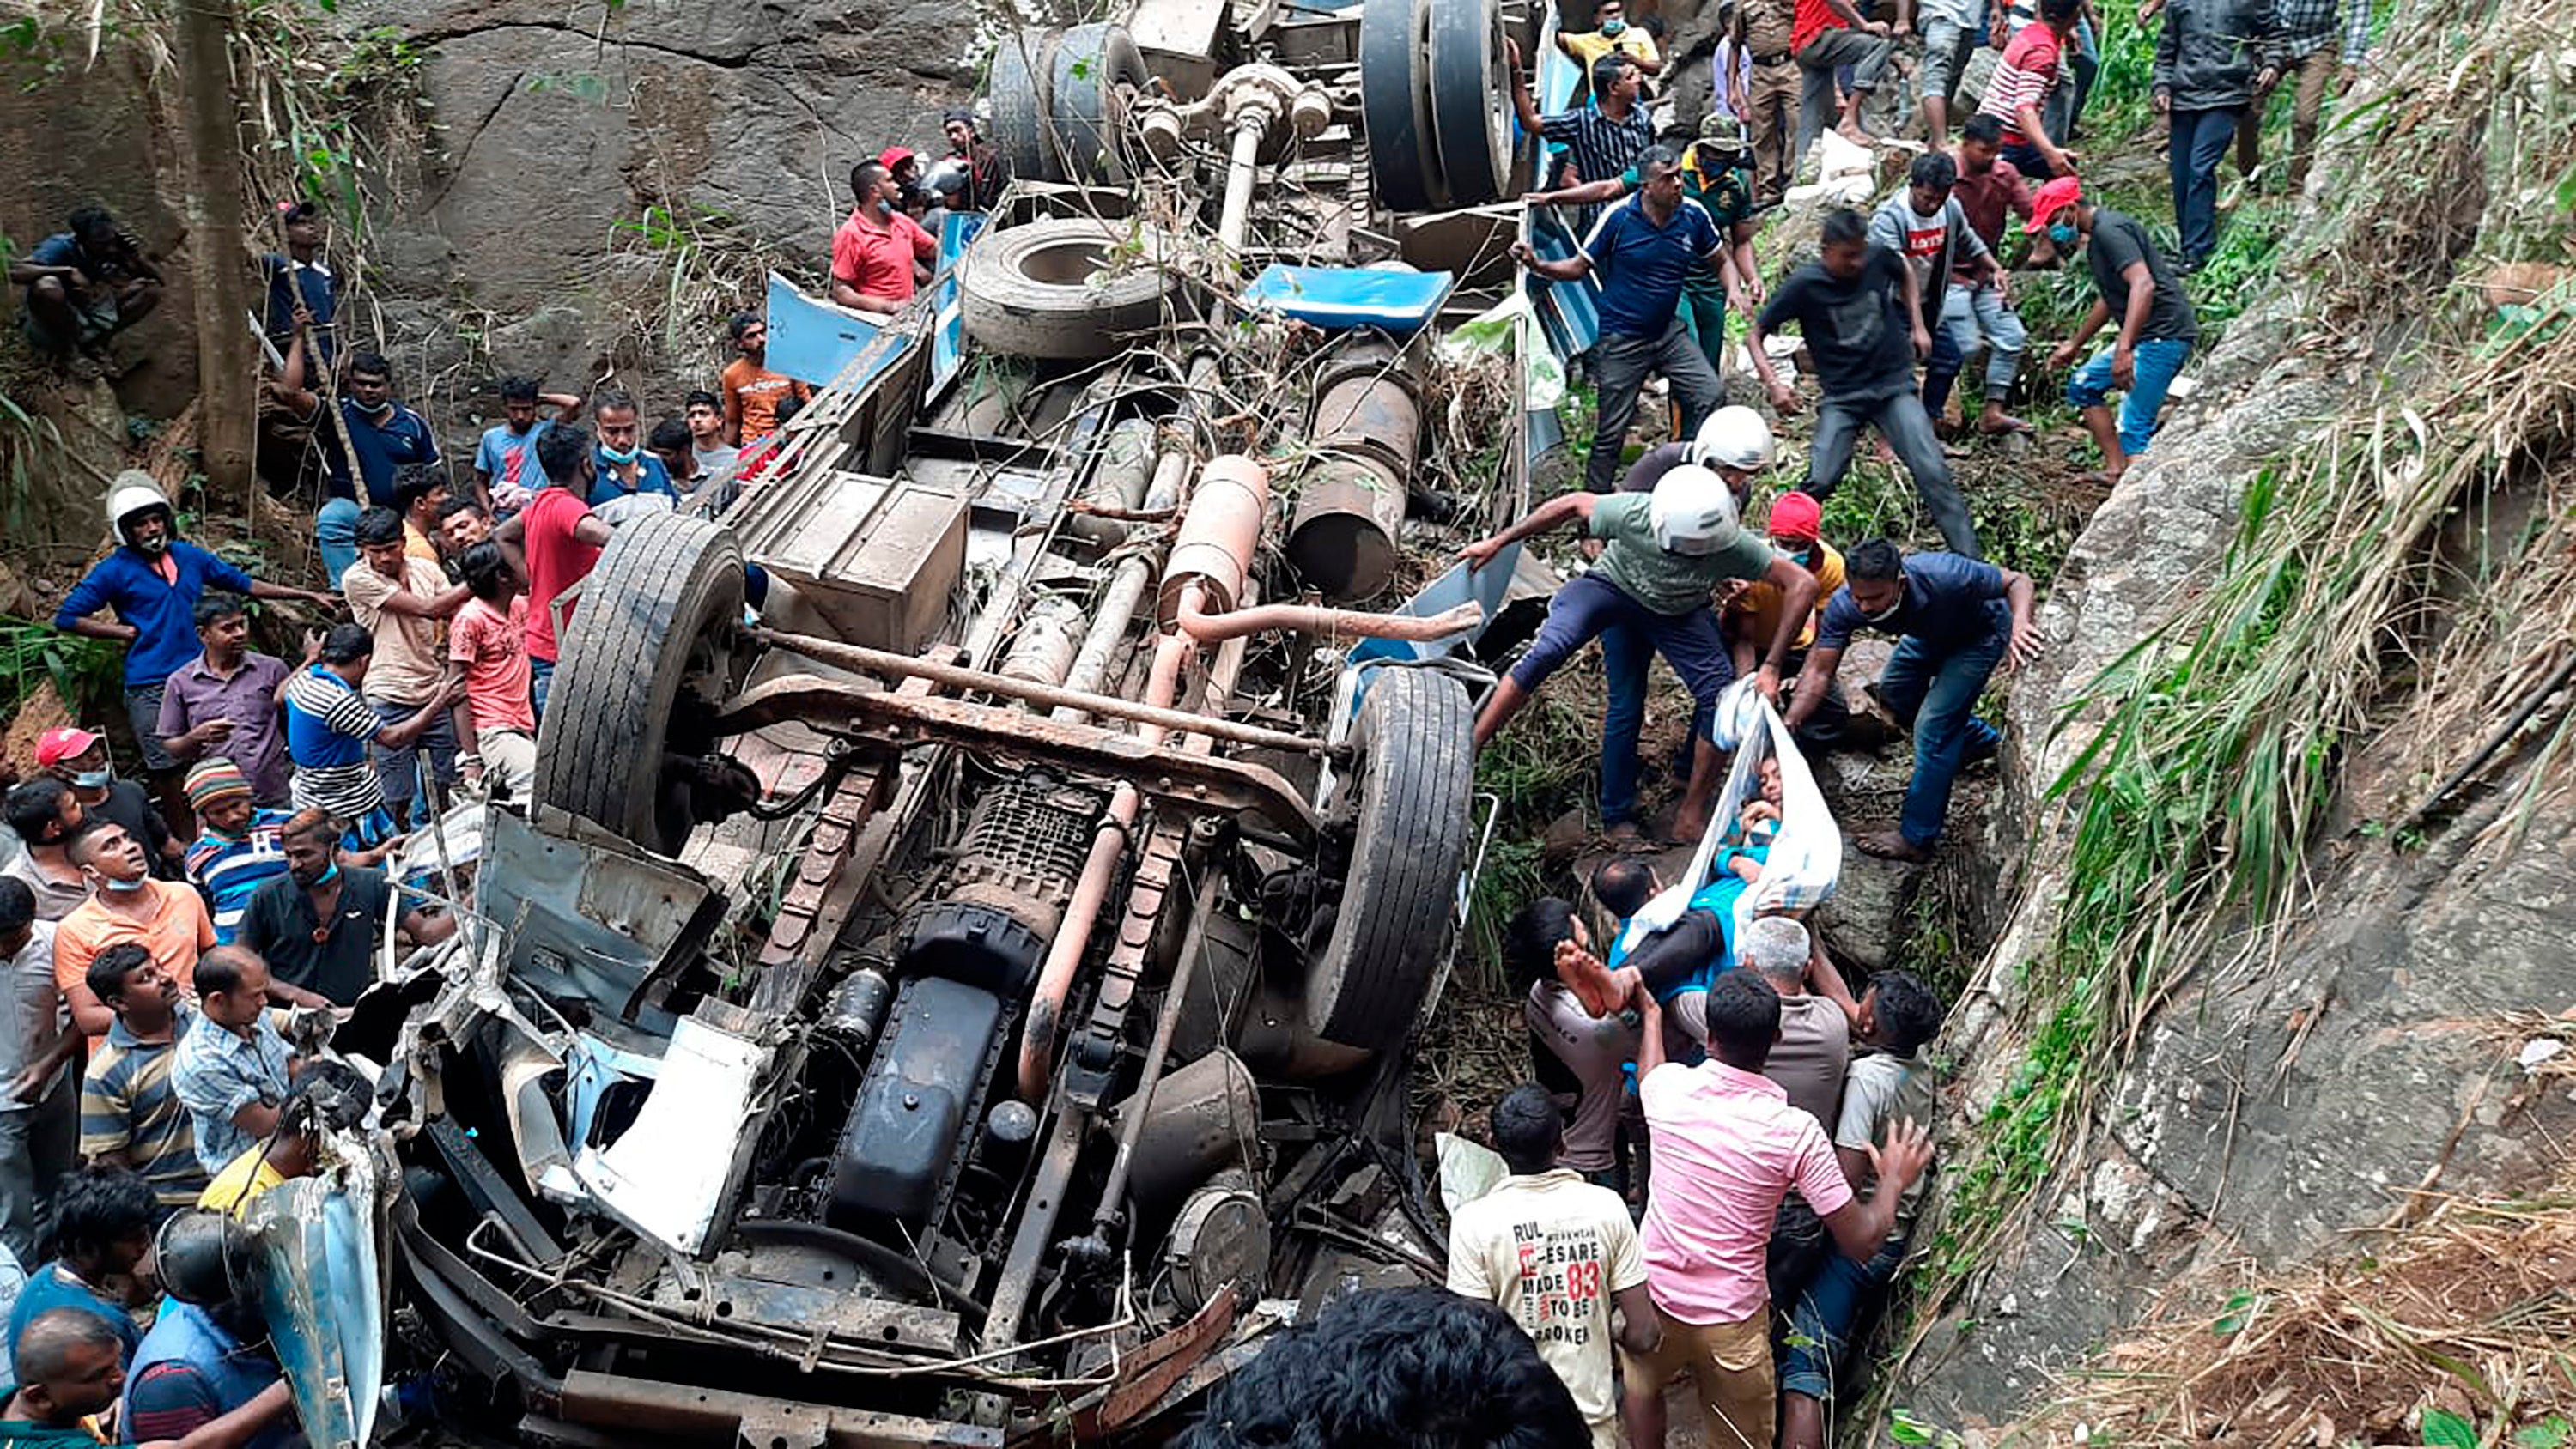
[879, 256]
[1828, 35]
[2020, 88]
[553, 543]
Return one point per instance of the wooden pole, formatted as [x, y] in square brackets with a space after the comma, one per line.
[218, 253]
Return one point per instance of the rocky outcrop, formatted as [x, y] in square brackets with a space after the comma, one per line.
[2279, 1103]
[606, 182]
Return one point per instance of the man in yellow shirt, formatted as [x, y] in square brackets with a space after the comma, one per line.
[1611, 33]
[293, 1150]
[1752, 617]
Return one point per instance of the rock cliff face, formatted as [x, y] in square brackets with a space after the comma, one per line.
[2278, 1105]
[607, 181]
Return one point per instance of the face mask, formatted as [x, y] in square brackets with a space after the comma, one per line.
[621, 459]
[327, 876]
[155, 546]
[1890, 612]
[2062, 234]
[121, 887]
[383, 409]
[93, 779]
[1614, 27]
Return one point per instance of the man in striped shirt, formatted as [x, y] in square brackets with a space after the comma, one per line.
[329, 725]
[236, 845]
[1601, 140]
[130, 1114]
[2020, 88]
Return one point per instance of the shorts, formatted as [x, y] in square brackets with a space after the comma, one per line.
[90, 325]
[1730, 1368]
[143, 711]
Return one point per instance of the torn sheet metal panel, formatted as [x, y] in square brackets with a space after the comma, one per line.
[591, 918]
[701, 1102]
[325, 1302]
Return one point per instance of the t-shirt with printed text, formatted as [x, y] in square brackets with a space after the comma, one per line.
[1552, 1251]
[492, 648]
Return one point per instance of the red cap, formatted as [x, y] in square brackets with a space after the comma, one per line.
[2053, 198]
[894, 156]
[63, 743]
[1795, 516]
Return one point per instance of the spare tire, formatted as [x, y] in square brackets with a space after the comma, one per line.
[1022, 75]
[1394, 105]
[1471, 100]
[1071, 289]
[647, 657]
[1092, 64]
[1406, 801]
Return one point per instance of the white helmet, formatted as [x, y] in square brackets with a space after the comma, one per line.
[133, 492]
[1733, 438]
[1693, 511]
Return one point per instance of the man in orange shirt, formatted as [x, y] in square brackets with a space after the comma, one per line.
[166, 918]
[751, 390]
[879, 256]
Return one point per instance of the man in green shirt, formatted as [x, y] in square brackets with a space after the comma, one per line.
[1664, 551]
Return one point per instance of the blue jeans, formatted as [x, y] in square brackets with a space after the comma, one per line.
[1971, 313]
[541, 673]
[1626, 655]
[1935, 695]
[2158, 362]
[398, 771]
[1820, 1327]
[335, 533]
[1591, 607]
[2200, 142]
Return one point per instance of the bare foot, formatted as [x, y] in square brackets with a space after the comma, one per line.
[1995, 425]
[1889, 845]
[1626, 838]
[1851, 131]
[1687, 829]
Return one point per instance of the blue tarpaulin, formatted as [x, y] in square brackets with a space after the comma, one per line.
[1340, 297]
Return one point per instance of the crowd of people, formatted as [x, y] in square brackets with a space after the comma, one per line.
[177, 945]
[1715, 1171]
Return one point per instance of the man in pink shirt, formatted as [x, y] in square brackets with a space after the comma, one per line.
[489, 641]
[1728, 1148]
[879, 256]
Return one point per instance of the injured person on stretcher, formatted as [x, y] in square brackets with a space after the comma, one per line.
[1680, 963]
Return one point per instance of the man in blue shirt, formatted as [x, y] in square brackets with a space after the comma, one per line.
[300, 277]
[208, 1352]
[626, 468]
[152, 580]
[506, 462]
[383, 434]
[1643, 250]
[84, 285]
[1956, 618]
[102, 1228]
